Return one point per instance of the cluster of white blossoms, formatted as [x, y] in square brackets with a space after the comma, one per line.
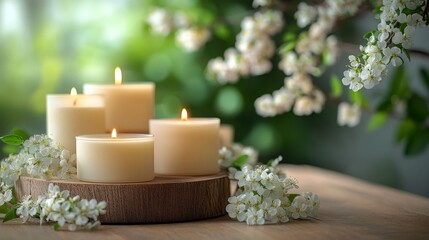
[58, 206]
[253, 48]
[386, 45]
[189, 37]
[6, 194]
[298, 92]
[40, 157]
[348, 115]
[263, 197]
[228, 155]
[304, 60]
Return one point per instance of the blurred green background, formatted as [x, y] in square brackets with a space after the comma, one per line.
[50, 46]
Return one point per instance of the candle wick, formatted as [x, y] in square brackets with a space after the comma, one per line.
[74, 102]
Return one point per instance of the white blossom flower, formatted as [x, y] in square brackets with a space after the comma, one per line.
[395, 30]
[42, 157]
[415, 20]
[254, 48]
[313, 200]
[331, 50]
[299, 83]
[305, 15]
[227, 155]
[385, 30]
[5, 196]
[303, 106]
[265, 106]
[298, 208]
[260, 3]
[59, 207]
[255, 216]
[413, 4]
[352, 78]
[283, 100]
[262, 196]
[191, 39]
[61, 213]
[406, 37]
[348, 115]
[26, 208]
[160, 21]
[393, 55]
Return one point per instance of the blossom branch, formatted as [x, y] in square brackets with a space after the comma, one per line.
[353, 48]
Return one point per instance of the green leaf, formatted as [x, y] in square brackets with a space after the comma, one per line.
[399, 84]
[10, 215]
[358, 98]
[13, 200]
[291, 197]
[376, 9]
[9, 149]
[21, 133]
[12, 139]
[377, 120]
[290, 36]
[222, 31]
[417, 108]
[403, 26]
[56, 226]
[288, 47]
[398, 90]
[385, 106]
[417, 142]
[367, 35]
[336, 86]
[405, 129]
[240, 161]
[425, 77]
[4, 209]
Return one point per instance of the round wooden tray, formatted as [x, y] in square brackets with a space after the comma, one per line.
[165, 199]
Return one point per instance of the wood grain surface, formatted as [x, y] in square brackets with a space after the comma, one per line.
[350, 209]
[164, 199]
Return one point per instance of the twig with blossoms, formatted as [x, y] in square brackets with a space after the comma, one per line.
[188, 36]
[237, 155]
[304, 57]
[41, 157]
[253, 48]
[59, 207]
[263, 194]
[387, 44]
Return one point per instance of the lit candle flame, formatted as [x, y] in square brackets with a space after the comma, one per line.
[118, 76]
[184, 115]
[73, 93]
[114, 134]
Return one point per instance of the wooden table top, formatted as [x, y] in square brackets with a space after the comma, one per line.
[350, 209]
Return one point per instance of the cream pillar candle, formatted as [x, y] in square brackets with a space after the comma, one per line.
[70, 115]
[106, 158]
[226, 135]
[186, 147]
[128, 106]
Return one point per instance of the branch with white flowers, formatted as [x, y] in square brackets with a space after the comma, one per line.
[41, 157]
[263, 193]
[306, 53]
[387, 44]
